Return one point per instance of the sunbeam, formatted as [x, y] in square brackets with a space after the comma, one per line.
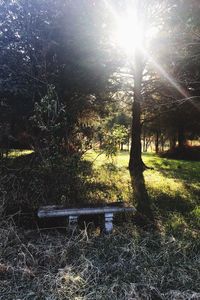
[164, 73]
[130, 35]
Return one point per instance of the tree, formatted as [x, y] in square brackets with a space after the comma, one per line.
[130, 78]
[177, 95]
[144, 14]
[52, 43]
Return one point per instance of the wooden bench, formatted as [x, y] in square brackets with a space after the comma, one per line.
[74, 213]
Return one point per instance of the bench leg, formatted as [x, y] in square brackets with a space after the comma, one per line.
[108, 222]
[73, 221]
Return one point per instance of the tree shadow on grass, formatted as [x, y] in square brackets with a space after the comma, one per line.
[183, 170]
[185, 174]
[176, 198]
[165, 204]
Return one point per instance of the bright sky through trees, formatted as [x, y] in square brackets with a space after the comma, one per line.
[133, 32]
[128, 34]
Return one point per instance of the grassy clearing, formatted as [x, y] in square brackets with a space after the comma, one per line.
[173, 185]
[129, 264]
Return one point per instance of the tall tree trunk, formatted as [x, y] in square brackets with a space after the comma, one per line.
[144, 142]
[157, 142]
[136, 165]
[172, 142]
[181, 137]
[162, 143]
[128, 144]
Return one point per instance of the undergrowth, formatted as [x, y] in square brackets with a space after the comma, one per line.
[124, 265]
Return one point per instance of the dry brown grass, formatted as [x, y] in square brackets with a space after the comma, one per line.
[125, 265]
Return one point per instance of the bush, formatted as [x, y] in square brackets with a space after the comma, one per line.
[185, 153]
[30, 182]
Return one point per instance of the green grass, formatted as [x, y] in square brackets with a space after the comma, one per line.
[17, 152]
[173, 186]
[172, 177]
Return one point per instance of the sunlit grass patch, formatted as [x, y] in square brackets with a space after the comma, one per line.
[159, 183]
[196, 212]
[16, 153]
[173, 186]
[171, 177]
[195, 216]
[99, 158]
[109, 183]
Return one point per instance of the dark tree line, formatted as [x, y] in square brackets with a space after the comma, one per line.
[47, 43]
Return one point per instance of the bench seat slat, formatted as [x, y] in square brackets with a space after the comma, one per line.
[52, 211]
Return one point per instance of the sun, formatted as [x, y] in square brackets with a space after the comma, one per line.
[129, 34]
